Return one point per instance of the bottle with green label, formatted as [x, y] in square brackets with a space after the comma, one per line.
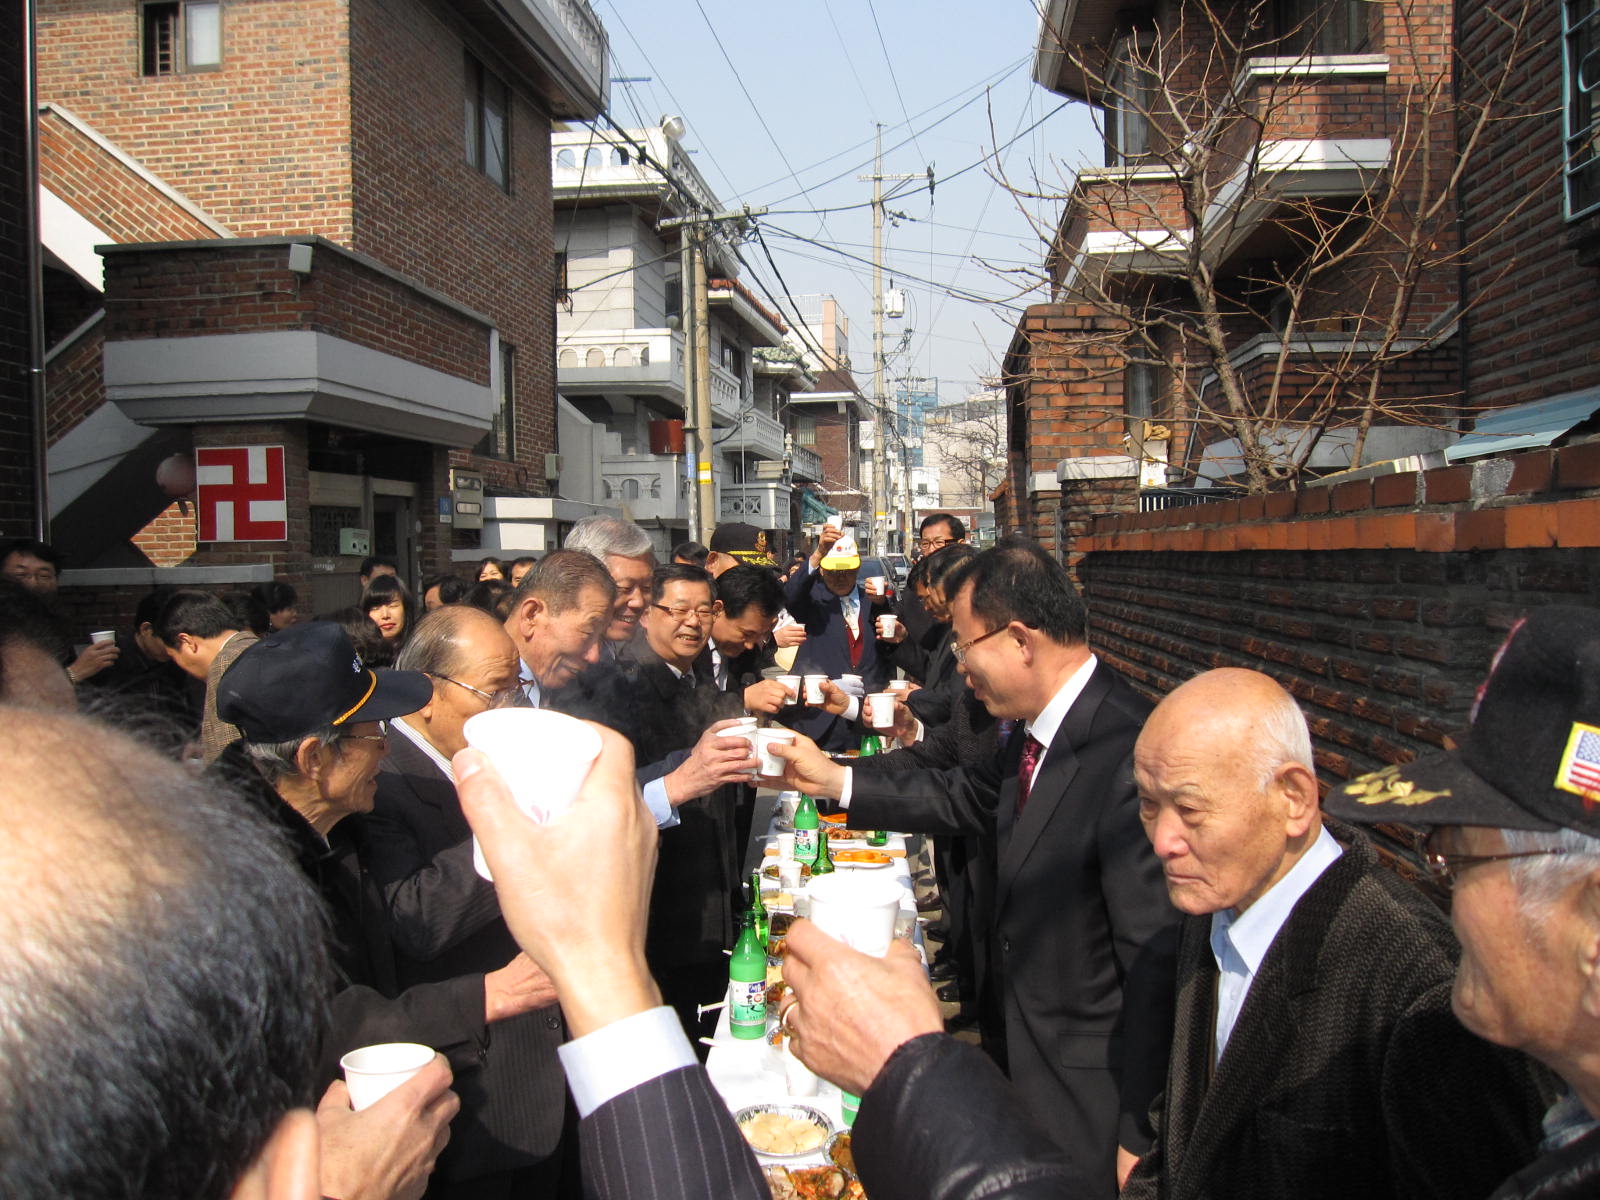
[758, 910]
[806, 833]
[824, 863]
[871, 744]
[747, 982]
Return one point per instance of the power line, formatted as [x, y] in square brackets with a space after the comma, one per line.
[872, 10]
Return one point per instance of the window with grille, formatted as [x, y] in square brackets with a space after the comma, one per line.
[1580, 121]
[488, 118]
[179, 37]
[805, 431]
[500, 441]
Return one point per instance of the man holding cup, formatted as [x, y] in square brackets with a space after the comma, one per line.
[842, 637]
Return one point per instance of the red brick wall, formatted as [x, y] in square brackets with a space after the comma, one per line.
[836, 446]
[262, 144]
[74, 384]
[169, 540]
[421, 207]
[1377, 603]
[245, 287]
[1533, 288]
[123, 203]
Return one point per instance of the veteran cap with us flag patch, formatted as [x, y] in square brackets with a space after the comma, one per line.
[1531, 757]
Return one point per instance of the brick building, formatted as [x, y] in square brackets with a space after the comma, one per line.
[1223, 298]
[827, 421]
[303, 245]
[1376, 595]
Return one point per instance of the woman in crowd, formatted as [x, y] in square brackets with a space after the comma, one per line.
[491, 568]
[389, 606]
[281, 601]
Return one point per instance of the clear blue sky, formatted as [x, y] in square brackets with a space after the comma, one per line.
[789, 125]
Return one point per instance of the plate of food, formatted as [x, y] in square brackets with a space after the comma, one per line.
[813, 1183]
[860, 858]
[783, 1132]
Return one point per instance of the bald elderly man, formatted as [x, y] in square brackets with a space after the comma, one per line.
[1314, 1052]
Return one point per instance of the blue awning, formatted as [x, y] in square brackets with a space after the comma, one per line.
[1523, 426]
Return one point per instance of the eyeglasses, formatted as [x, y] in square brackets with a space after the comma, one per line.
[363, 737]
[682, 614]
[936, 543]
[960, 651]
[501, 699]
[1446, 868]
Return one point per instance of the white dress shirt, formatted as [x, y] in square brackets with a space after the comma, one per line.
[1240, 942]
[618, 1057]
[1044, 727]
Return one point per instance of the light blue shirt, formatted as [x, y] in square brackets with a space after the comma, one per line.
[1240, 942]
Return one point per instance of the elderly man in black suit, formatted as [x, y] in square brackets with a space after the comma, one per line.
[443, 918]
[1079, 937]
[1314, 1051]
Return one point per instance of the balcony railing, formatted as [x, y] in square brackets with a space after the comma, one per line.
[648, 487]
[633, 360]
[762, 504]
[758, 434]
[806, 464]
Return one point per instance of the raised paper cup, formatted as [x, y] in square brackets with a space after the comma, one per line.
[771, 765]
[880, 710]
[544, 756]
[858, 908]
[886, 625]
[793, 683]
[900, 687]
[102, 635]
[814, 688]
[372, 1072]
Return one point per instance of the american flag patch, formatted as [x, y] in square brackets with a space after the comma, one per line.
[1580, 765]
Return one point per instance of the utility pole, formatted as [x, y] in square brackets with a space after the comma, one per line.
[697, 351]
[880, 408]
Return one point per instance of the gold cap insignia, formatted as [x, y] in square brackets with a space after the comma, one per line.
[1385, 787]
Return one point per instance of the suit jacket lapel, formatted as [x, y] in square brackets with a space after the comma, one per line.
[1189, 1075]
[1267, 1020]
[422, 775]
[1051, 781]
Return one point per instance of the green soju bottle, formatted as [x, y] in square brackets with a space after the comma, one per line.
[806, 833]
[758, 910]
[824, 863]
[747, 982]
[872, 744]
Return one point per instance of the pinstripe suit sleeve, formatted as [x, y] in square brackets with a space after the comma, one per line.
[671, 1138]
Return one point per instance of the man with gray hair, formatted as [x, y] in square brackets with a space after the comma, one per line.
[1313, 1053]
[1513, 814]
[444, 920]
[625, 552]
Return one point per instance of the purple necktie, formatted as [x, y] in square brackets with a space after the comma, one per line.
[1032, 750]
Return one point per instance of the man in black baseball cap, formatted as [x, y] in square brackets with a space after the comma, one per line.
[1513, 820]
[310, 713]
[736, 543]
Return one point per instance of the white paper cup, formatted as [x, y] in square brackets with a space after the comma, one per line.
[886, 624]
[880, 710]
[857, 907]
[372, 1072]
[744, 727]
[789, 873]
[785, 848]
[771, 765]
[102, 635]
[794, 684]
[814, 688]
[798, 1079]
[875, 583]
[788, 803]
[544, 756]
[900, 687]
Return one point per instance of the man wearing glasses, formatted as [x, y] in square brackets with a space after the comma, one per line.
[1513, 820]
[1075, 946]
[1313, 1050]
[443, 918]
